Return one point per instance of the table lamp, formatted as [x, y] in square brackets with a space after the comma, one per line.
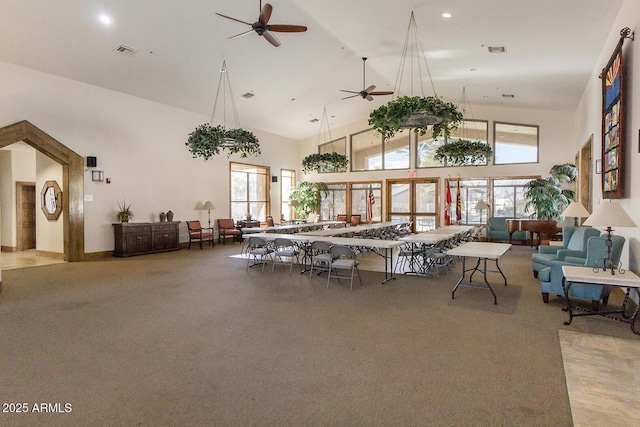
[577, 211]
[609, 215]
[480, 206]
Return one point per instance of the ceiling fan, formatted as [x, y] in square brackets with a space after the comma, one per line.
[262, 27]
[367, 92]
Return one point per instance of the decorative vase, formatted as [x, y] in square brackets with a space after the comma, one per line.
[169, 216]
[163, 217]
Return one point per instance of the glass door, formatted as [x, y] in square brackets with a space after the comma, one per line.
[414, 200]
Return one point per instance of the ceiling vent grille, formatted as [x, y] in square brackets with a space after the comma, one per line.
[508, 95]
[124, 49]
[497, 49]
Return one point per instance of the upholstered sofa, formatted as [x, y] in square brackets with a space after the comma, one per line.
[574, 244]
[551, 277]
[497, 231]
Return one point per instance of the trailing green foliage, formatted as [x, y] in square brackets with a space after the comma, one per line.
[325, 162]
[307, 194]
[546, 196]
[400, 113]
[463, 152]
[206, 141]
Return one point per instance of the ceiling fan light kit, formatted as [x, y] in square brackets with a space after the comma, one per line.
[366, 92]
[263, 28]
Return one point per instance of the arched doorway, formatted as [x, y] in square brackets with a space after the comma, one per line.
[73, 181]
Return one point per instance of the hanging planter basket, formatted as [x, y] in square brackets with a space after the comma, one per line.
[206, 141]
[463, 152]
[325, 162]
[416, 113]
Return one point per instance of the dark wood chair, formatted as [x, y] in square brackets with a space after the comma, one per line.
[199, 234]
[227, 228]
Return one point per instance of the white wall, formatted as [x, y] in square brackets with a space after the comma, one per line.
[139, 145]
[589, 121]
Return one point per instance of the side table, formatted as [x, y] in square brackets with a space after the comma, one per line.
[591, 276]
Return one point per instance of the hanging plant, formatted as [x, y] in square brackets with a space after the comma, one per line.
[325, 162]
[206, 141]
[463, 152]
[416, 113]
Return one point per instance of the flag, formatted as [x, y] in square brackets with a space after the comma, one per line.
[458, 203]
[447, 206]
[372, 201]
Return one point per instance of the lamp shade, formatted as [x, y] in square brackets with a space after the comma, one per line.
[482, 205]
[610, 214]
[576, 210]
[199, 206]
[330, 205]
[208, 206]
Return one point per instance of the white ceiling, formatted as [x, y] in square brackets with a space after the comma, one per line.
[551, 50]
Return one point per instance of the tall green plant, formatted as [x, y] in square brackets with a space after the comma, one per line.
[307, 194]
[546, 196]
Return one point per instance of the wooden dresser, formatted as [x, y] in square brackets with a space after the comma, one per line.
[137, 238]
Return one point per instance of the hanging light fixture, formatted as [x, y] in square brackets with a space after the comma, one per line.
[410, 111]
[324, 162]
[207, 140]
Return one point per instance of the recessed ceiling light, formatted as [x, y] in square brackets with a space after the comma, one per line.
[446, 15]
[105, 19]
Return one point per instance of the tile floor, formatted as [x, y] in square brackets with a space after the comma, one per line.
[28, 258]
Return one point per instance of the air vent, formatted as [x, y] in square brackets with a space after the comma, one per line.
[497, 49]
[508, 95]
[124, 49]
[313, 120]
[247, 95]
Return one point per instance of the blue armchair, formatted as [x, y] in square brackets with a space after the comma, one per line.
[497, 231]
[551, 277]
[574, 244]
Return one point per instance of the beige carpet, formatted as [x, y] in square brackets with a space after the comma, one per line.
[603, 375]
[190, 338]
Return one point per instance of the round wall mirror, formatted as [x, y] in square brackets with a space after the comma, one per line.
[51, 200]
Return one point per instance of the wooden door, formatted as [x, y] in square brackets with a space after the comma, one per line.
[26, 215]
[414, 200]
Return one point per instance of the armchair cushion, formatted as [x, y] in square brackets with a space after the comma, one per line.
[574, 244]
[497, 230]
[227, 228]
[197, 233]
[551, 277]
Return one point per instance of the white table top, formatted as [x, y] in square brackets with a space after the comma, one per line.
[347, 241]
[428, 238]
[487, 250]
[355, 229]
[586, 275]
[253, 230]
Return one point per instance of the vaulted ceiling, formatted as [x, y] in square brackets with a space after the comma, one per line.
[551, 48]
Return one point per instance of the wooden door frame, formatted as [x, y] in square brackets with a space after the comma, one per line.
[411, 182]
[72, 179]
[584, 184]
[19, 186]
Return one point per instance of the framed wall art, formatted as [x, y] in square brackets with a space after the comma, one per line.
[613, 115]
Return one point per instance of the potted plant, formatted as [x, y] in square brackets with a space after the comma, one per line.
[206, 141]
[417, 113]
[325, 162]
[307, 194]
[463, 152]
[124, 212]
[546, 196]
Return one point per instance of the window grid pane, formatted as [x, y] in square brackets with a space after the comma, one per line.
[515, 143]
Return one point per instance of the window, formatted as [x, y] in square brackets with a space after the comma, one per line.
[425, 150]
[335, 203]
[370, 152]
[287, 184]
[360, 201]
[508, 198]
[471, 192]
[473, 130]
[249, 191]
[514, 143]
[337, 146]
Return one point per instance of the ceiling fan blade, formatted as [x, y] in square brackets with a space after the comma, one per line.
[233, 19]
[381, 93]
[265, 14]
[241, 34]
[288, 28]
[352, 96]
[349, 91]
[271, 38]
[370, 89]
[369, 97]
